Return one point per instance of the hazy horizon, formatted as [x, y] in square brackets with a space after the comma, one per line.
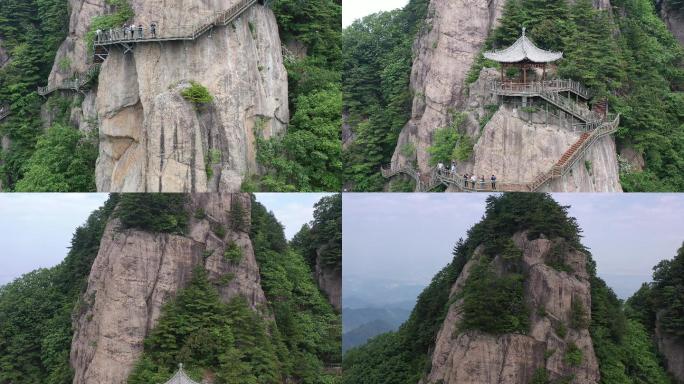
[393, 243]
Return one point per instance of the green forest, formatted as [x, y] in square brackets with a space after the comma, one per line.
[297, 336]
[627, 56]
[494, 304]
[60, 158]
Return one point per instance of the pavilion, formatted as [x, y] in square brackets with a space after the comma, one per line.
[523, 54]
[180, 377]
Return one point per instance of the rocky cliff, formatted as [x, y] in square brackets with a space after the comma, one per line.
[475, 357]
[444, 53]
[674, 19]
[330, 282]
[514, 147]
[136, 272]
[672, 350]
[151, 138]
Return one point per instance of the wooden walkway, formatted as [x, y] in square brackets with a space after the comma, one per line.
[119, 37]
[426, 183]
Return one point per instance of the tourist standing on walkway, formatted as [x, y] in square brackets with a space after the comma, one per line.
[140, 31]
[493, 178]
[465, 180]
[473, 180]
[99, 35]
[482, 182]
[132, 31]
[440, 167]
[453, 169]
[153, 30]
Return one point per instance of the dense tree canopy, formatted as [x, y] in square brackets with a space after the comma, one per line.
[495, 304]
[324, 236]
[308, 157]
[36, 309]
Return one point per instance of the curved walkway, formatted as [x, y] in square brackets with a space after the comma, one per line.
[116, 37]
[561, 168]
[188, 33]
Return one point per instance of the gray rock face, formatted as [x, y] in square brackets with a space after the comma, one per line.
[4, 57]
[151, 138]
[456, 32]
[672, 350]
[476, 358]
[513, 146]
[330, 281]
[673, 19]
[136, 272]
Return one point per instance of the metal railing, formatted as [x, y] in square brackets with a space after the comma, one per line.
[73, 83]
[549, 91]
[561, 168]
[182, 32]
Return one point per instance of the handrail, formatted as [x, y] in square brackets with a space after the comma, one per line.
[186, 32]
[549, 91]
[74, 83]
[561, 168]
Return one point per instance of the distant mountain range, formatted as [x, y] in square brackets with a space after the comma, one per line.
[361, 324]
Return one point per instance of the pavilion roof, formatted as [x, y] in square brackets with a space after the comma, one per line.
[523, 49]
[181, 377]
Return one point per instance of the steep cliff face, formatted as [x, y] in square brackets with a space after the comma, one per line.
[456, 32]
[672, 349]
[330, 282]
[474, 357]
[151, 138]
[136, 272]
[4, 57]
[673, 19]
[513, 147]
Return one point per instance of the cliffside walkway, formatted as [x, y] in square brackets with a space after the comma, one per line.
[4, 111]
[426, 183]
[551, 91]
[119, 37]
[75, 83]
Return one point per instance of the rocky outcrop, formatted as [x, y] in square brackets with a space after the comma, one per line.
[4, 57]
[455, 33]
[330, 281]
[136, 272]
[151, 138]
[475, 358]
[673, 19]
[672, 349]
[514, 146]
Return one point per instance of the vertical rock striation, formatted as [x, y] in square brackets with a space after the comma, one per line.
[137, 272]
[151, 138]
[473, 357]
[672, 349]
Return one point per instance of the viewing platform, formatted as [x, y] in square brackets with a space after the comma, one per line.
[428, 182]
[128, 38]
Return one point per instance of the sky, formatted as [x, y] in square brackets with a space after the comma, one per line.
[36, 229]
[356, 9]
[395, 242]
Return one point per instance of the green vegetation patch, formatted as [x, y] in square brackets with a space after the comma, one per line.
[154, 212]
[449, 144]
[199, 95]
[228, 341]
[123, 14]
[233, 253]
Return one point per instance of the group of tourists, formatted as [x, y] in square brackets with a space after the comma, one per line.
[126, 32]
[468, 180]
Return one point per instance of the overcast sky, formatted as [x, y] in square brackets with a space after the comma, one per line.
[407, 238]
[356, 9]
[36, 229]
